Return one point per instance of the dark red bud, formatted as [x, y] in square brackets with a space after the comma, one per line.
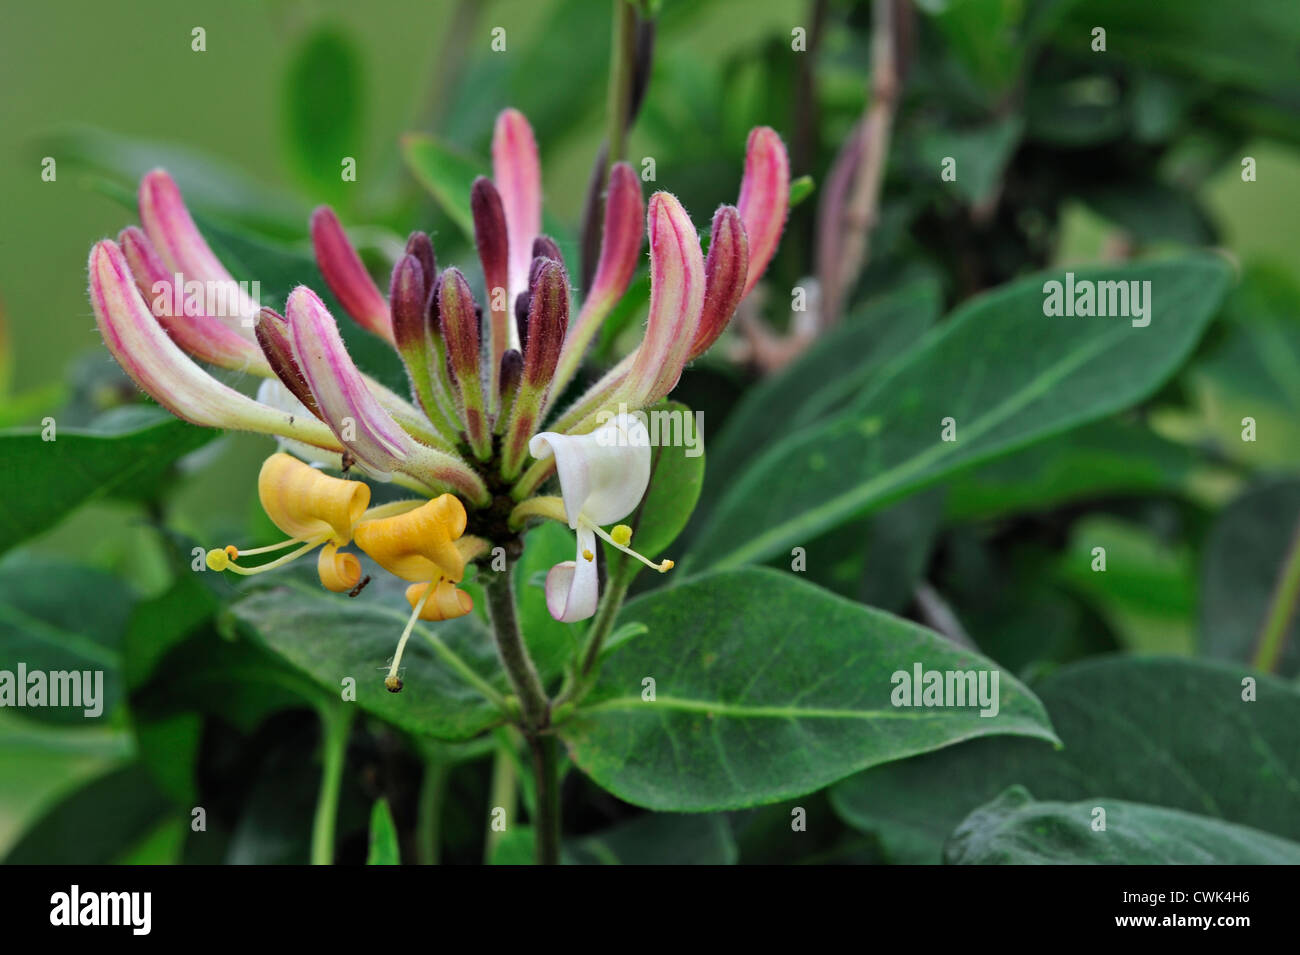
[272, 333]
[725, 270]
[548, 321]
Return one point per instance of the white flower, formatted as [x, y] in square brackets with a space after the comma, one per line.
[603, 476]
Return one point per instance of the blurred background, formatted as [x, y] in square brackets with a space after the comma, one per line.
[1067, 155]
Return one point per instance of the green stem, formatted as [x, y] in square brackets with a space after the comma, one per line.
[1272, 636]
[622, 53]
[547, 823]
[503, 795]
[429, 823]
[499, 588]
[336, 725]
[615, 592]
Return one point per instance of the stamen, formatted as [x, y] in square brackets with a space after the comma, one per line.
[234, 553]
[393, 682]
[663, 566]
[588, 555]
[220, 559]
[621, 535]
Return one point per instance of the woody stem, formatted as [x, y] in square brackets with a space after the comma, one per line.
[535, 708]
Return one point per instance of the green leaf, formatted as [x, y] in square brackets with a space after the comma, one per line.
[801, 189]
[447, 174]
[332, 638]
[1007, 375]
[1147, 729]
[1246, 548]
[44, 481]
[1013, 829]
[658, 839]
[96, 824]
[981, 156]
[550, 642]
[843, 362]
[753, 705]
[1147, 593]
[323, 106]
[57, 616]
[207, 184]
[1107, 458]
[383, 836]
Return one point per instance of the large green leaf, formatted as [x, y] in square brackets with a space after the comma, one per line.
[1247, 547]
[1013, 829]
[44, 481]
[753, 704]
[1107, 458]
[446, 173]
[658, 839]
[95, 824]
[323, 107]
[56, 616]
[331, 638]
[1169, 732]
[837, 366]
[1007, 374]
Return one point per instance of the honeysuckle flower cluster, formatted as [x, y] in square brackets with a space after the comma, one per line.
[468, 441]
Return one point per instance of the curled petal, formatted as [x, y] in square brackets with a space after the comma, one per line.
[346, 275]
[764, 199]
[447, 602]
[518, 177]
[676, 301]
[166, 373]
[724, 277]
[306, 504]
[182, 248]
[572, 586]
[203, 336]
[603, 474]
[418, 545]
[338, 572]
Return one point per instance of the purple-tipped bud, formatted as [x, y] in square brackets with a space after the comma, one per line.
[548, 321]
[493, 243]
[544, 247]
[346, 275]
[272, 331]
[512, 370]
[458, 319]
[724, 277]
[421, 246]
[459, 323]
[408, 299]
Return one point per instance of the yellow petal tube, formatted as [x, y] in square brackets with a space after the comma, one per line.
[446, 602]
[338, 572]
[309, 505]
[418, 545]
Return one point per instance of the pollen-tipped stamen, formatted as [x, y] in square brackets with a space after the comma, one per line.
[623, 533]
